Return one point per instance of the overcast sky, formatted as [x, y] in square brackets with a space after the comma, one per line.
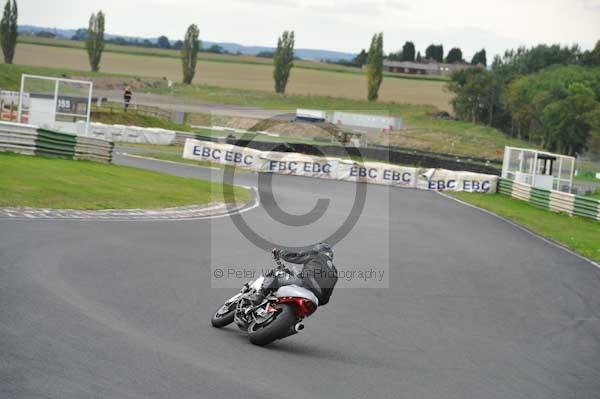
[344, 25]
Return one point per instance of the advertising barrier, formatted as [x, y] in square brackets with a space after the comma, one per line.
[292, 163]
[556, 201]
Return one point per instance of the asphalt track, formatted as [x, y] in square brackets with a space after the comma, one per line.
[476, 308]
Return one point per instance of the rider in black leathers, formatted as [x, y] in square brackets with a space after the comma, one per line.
[318, 275]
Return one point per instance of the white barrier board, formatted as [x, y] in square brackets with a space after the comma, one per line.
[442, 179]
[338, 169]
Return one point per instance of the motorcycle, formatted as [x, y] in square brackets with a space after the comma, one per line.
[277, 316]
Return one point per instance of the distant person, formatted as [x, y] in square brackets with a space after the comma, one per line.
[127, 97]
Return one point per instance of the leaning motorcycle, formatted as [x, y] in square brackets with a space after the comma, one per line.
[280, 313]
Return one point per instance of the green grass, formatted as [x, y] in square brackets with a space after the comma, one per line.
[62, 184]
[582, 235]
[424, 131]
[116, 116]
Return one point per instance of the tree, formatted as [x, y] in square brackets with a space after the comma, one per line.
[283, 60]
[435, 52]
[524, 61]
[189, 53]
[80, 34]
[556, 107]
[215, 48]
[178, 45]
[361, 58]
[397, 56]
[94, 42]
[163, 42]
[595, 55]
[266, 54]
[479, 58]
[8, 30]
[475, 94]
[375, 67]
[418, 59]
[408, 51]
[46, 34]
[454, 56]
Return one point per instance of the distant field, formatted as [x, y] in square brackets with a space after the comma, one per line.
[252, 76]
[247, 59]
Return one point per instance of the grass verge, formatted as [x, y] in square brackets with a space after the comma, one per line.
[114, 116]
[424, 131]
[582, 235]
[62, 184]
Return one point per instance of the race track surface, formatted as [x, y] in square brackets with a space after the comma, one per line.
[476, 308]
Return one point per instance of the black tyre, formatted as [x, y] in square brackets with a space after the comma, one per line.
[262, 334]
[223, 316]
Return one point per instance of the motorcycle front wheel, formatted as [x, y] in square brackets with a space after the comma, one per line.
[223, 316]
[262, 334]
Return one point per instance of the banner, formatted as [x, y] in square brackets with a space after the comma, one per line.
[378, 173]
[442, 179]
[225, 154]
[290, 163]
[296, 164]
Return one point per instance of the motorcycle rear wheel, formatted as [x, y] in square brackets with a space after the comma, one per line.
[261, 335]
[221, 319]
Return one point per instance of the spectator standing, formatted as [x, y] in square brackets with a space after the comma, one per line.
[127, 97]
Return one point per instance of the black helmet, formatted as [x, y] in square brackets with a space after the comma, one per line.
[325, 249]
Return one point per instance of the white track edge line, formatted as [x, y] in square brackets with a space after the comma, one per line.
[523, 228]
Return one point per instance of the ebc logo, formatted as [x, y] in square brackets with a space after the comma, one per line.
[474, 185]
[395, 176]
[357, 171]
[441, 184]
[217, 155]
[316, 167]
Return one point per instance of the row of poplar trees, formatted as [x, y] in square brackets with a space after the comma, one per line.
[94, 44]
[283, 61]
[283, 57]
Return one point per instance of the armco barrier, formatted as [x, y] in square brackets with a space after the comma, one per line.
[29, 140]
[553, 200]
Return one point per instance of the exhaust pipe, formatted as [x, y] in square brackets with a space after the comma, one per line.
[298, 327]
